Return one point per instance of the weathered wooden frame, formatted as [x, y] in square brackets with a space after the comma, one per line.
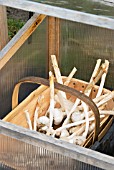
[75, 152]
[17, 41]
[64, 148]
[62, 13]
[3, 27]
[53, 39]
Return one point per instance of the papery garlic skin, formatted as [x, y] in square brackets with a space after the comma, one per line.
[58, 116]
[76, 116]
[43, 120]
[44, 128]
[64, 133]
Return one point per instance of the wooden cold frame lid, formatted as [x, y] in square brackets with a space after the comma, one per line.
[63, 13]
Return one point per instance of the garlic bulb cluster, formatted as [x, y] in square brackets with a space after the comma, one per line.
[67, 120]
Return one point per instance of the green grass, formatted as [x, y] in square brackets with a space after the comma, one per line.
[14, 26]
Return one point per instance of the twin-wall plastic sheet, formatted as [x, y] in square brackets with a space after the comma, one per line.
[29, 60]
[81, 46]
[18, 155]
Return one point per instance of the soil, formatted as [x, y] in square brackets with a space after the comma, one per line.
[17, 14]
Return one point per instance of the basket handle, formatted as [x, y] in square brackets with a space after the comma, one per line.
[64, 88]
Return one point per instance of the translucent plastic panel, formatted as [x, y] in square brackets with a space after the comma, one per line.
[29, 60]
[98, 7]
[81, 45]
[15, 154]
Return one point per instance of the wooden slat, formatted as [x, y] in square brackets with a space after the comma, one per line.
[53, 39]
[3, 27]
[58, 146]
[17, 41]
[62, 13]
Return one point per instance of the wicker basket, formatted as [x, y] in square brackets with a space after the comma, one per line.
[17, 115]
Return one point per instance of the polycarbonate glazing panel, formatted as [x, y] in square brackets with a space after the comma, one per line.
[29, 60]
[81, 45]
[98, 7]
[15, 154]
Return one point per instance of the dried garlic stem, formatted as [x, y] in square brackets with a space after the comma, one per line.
[56, 69]
[102, 107]
[87, 119]
[94, 74]
[57, 72]
[72, 110]
[28, 119]
[62, 101]
[103, 79]
[106, 112]
[59, 78]
[75, 123]
[68, 79]
[98, 99]
[106, 99]
[95, 80]
[102, 68]
[74, 129]
[35, 118]
[51, 109]
[68, 103]
[77, 132]
[81, 129]
[91, 128]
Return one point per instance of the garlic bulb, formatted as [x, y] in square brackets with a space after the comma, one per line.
[58, 116]
[44, 128]
[64, 133]
[68, 103]
[43, 120]
[50, 131]
[76, 116]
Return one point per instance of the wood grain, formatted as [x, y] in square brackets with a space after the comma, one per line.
[3, 27]
[12, 117]
[62, 13]
[17, 41]
[53, 39]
